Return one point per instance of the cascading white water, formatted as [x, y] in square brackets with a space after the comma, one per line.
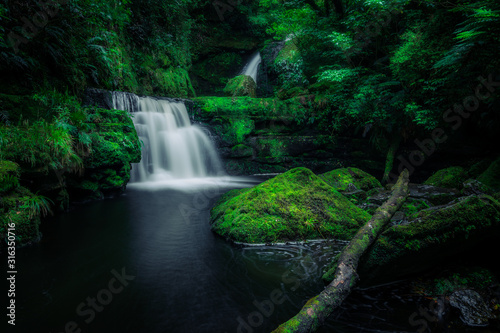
[252, 66]
[172, 147]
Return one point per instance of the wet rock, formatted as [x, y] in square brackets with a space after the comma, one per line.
[475, 187]
[435, 195]
[296, 205]
[473, 309]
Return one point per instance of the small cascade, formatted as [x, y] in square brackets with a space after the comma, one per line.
[251, 68]
[172, 147]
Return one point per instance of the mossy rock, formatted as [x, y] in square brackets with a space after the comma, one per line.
[9, 176]
[296, 205]
[491, 176]
[115, 146]
[452, 177]
[242, 85]
[435, 235]
[240, 151]
[340, 179]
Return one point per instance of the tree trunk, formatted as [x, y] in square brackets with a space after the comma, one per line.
[389, 161]
[318, 308]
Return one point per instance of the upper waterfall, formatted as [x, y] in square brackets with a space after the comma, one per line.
[172, 147]
[252, 66]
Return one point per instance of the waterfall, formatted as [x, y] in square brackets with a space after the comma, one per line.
[172, 147]
[252, 66]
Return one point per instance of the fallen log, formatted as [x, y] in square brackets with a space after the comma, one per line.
[314, 313]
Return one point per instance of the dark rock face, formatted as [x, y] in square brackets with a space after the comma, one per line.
[473, 309]
[98, 97]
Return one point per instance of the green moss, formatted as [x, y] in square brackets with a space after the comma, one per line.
[173, 82]
[255, 108]
[241, 151]
[9, 176]
[452, 177]
[412, 206]
[432, 237]
[491, 176]
[115, 145]
[296, 205]
[339, 179]
[241, 85]
[273, 150]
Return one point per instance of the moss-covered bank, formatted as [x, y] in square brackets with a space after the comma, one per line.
[80, 155]
[434, 235]
[296, 205]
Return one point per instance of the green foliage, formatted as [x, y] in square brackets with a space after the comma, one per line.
[22, 208]
[296, 205]
[41, 145]
[291, 110]
[37, 205]
[9, 176]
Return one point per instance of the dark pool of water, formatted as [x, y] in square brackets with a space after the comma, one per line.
[148, 262]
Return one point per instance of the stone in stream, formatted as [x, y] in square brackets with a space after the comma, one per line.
[473, 309]
[296, 205]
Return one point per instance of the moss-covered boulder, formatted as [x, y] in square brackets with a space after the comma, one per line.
[340, 179]
[115, 146]
[451, 177]
[491, 176]
[433, 236]
[296, 205]
[242, 85]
